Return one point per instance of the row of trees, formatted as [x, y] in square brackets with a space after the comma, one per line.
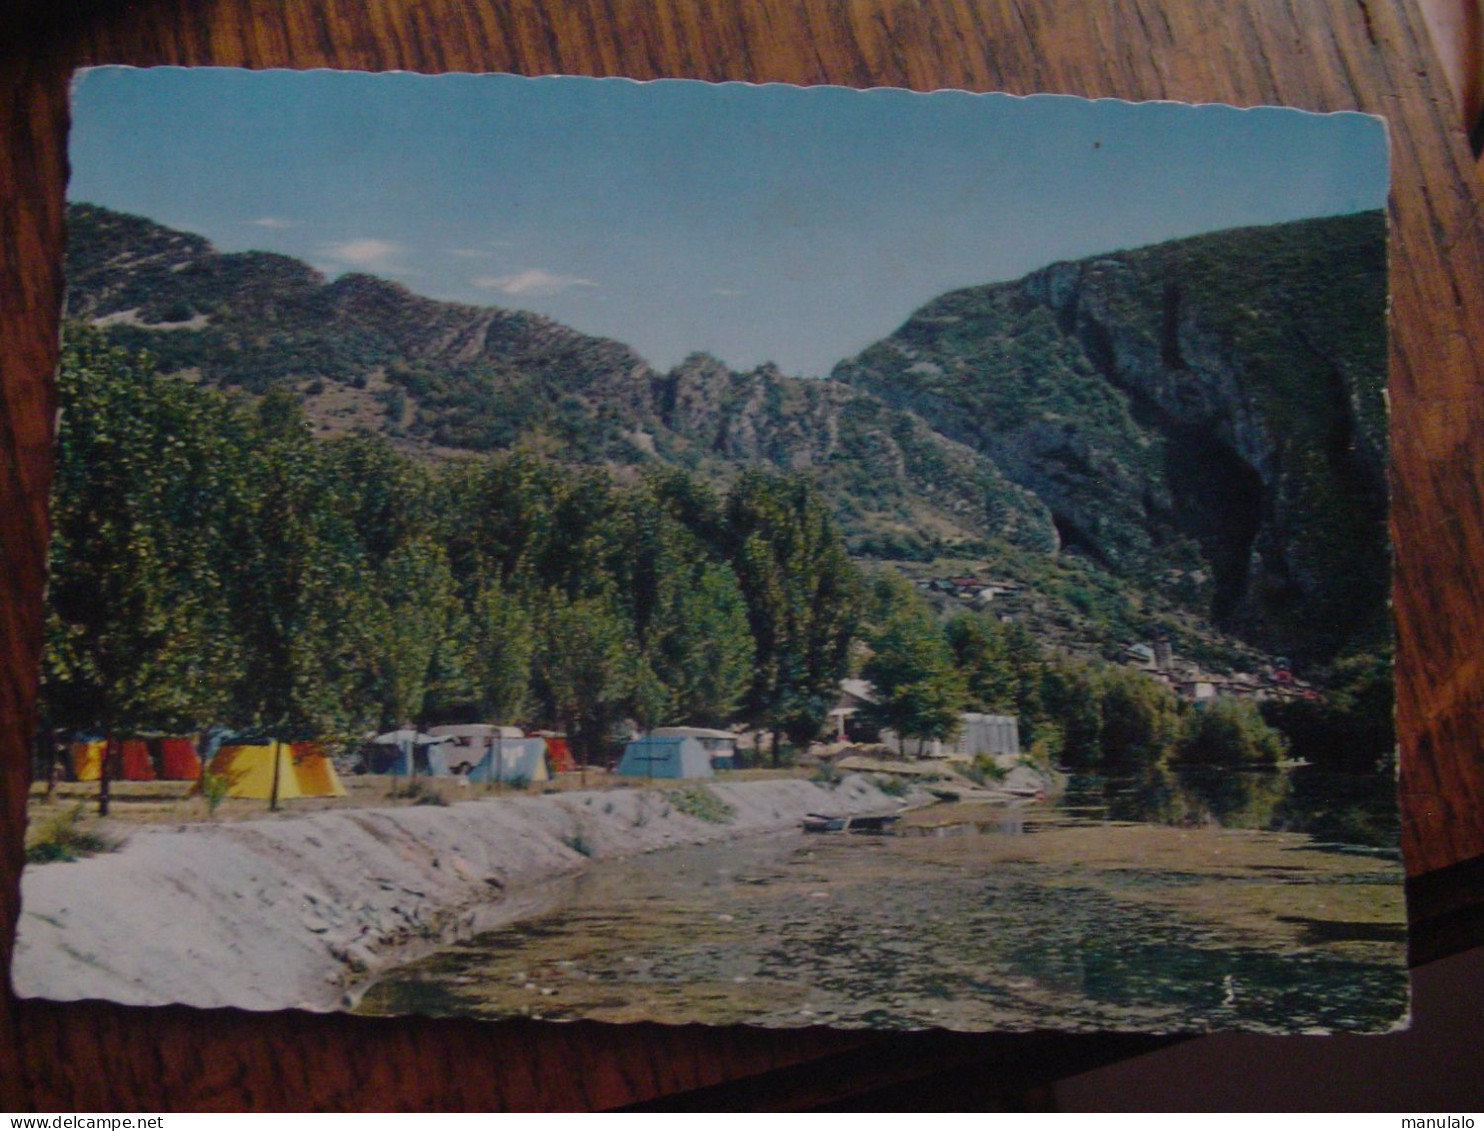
[1084, 715]
[213, 563]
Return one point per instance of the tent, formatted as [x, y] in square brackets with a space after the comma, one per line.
[134, 761]
[664, 756]
[87, 759]
[405, 752]
[720, 745]
[469, 743]
[558, 753]
[178, 760]
[303, 770]
[512, 759]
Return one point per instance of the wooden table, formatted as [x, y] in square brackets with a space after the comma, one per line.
[1371, 55]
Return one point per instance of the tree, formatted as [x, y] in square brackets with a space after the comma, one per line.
[702, 648]
[982, 654]
[1069, 697]
[688, 613]
[919, 691]
[415, 606]
[1228, 732]
[137, 617]
[1140, 718]
[803, 601]
[501, 638]
[583, 666]
[303, 603]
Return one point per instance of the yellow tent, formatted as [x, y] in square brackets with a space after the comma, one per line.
[303, 770]
[87, 760]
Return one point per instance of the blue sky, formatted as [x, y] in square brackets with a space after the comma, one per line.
[757, 223]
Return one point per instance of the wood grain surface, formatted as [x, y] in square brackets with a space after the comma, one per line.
[1371, 55]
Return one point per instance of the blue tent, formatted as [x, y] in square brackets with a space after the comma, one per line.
[664, 756]
[512, 759]
[403, 752]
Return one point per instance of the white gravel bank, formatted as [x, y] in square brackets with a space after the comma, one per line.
[286, 913]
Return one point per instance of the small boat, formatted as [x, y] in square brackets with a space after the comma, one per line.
[820, 823]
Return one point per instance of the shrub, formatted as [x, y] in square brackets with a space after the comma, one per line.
[890, 785]
[63, 838]
[699, 802]
[984, 769]
[827, 774]
[1228, 732]
[214, 788]
[577, 841]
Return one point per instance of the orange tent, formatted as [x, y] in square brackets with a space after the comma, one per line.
[134, 760]
[559, 754]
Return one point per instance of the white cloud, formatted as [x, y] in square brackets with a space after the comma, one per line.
[533, 281]
[481, 252]
[362, 252]
[277, 223]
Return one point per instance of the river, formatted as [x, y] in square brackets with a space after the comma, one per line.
[987, 919]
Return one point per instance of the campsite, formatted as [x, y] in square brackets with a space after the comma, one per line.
[927, 592]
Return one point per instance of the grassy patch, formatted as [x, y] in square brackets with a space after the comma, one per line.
[63, 838]
[827, 774]
[419, 793]
[698, 801]
[889, 785]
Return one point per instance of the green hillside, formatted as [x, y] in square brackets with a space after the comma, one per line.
[1185, 439]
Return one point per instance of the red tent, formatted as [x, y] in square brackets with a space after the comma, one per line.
[178, 760]
[136, 764]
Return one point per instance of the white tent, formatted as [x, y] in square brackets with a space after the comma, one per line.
[409, 750]
[470, 743]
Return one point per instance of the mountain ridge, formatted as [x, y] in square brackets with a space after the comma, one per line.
[1168, 414]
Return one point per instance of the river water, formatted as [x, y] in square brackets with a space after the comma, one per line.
[986, 918]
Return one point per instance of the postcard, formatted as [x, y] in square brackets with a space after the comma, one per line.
[566, 548]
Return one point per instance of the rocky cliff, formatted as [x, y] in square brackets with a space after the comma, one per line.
[1209, 412]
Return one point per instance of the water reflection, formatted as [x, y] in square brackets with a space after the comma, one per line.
[1346, 809]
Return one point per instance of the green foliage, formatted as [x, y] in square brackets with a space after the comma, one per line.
[63, 838]
[583, 666]
[827, 774]
[890, 785]
[984, 770]
[214, 789]
[1228, 732]
[214, 564]
[802, 596]
[1352, 728]
[699, 802]
[919, 691]
[981, 652]
[1105, 716]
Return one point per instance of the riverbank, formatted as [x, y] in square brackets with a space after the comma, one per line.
[291, 912]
